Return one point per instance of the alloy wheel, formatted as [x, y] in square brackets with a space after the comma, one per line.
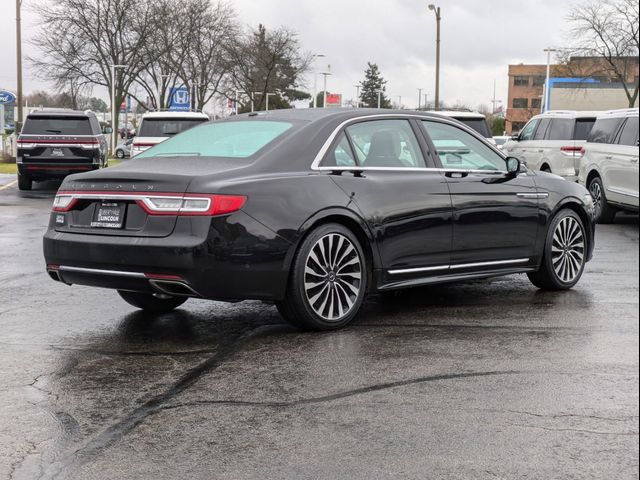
[333, 277]
[596, 194]
[567, 249]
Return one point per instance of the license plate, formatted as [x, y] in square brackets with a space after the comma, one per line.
[57, 152]
[108, 215]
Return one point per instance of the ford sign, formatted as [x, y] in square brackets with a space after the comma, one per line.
[7, 97]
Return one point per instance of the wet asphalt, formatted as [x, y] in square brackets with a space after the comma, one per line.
[484, 380]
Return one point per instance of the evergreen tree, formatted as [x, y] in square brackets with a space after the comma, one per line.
[371, 85]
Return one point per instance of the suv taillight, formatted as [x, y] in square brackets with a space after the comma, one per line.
[572, 150]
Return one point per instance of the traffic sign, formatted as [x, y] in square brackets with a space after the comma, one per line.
[7, 98]
[179, 99]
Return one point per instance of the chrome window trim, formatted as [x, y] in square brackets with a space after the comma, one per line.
[620, 191]
[315, 165]
[458, 266]
[64, 268]
[408, 169]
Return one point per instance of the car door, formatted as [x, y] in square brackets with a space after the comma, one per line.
[522, 148]
[538, 148]
[383, 167]
[623, 165]
[496, 219]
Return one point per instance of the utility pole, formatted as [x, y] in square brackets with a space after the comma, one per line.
[436, 10]
[545, 103]
[324, 88]
[400, 102]
[18, 122]
[315, 81]
[379, 99]
[357, 95]
[419, 98]
[494, 101]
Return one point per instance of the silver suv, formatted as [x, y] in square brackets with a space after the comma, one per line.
[552, 142]
[609, 167]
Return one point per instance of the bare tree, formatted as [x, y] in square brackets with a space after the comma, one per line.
[267, 61]
[609, 30]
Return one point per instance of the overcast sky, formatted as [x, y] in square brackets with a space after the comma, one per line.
[479, 40]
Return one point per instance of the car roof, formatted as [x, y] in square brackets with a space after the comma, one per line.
[622, 112]
[60, 113]
[171, 114]
[570, 114]
[459, 114]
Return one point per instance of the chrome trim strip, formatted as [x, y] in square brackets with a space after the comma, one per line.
[533, 195]
[96, 271]
[619, 191]
[418, 270]
[452, 267]
[489, 264]
[407, 169]
[315, 165]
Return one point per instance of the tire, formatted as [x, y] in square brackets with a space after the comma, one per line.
[604, 213]
[326, 292]
[564, 254]
[546, 169]
[119, 154]
[150, 302]
[24, 182]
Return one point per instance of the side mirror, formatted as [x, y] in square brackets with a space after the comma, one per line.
[108, 130]
[515, 137]
[514, 166]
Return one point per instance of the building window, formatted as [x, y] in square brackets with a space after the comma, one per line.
[520, 81]
[520, 103]
[535, 103]
[539, 80]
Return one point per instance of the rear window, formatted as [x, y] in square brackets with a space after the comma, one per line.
[223, 139]
[561, 129]
[478, 124]
[167, 127]
[57, 125]
[583, 128]
[604, 130]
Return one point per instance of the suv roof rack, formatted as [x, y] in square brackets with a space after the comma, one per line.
[560, 112]
[621, 111]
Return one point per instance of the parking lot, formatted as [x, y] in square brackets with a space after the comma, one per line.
[490, 379]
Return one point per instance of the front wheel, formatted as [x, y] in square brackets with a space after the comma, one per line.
[564, 253]
[150, 302]
[328, 280]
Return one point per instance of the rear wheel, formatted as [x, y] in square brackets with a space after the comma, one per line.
[604, 212]
[564, 253]
[328, 280]
[151, 302]
[24, 182]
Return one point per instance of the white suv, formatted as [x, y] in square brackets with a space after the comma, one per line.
[552, 142]
[609, 168]
[473, 120]
[156, 127]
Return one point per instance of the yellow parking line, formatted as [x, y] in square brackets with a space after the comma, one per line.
[9, 185]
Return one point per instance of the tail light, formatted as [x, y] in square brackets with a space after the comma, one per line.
[572, 151]
[160, 203]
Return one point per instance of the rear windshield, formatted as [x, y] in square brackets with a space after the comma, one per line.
[222, 139]
[478, 124]
[57, 125]
[604, 130]
[583, 128]
[167, 127]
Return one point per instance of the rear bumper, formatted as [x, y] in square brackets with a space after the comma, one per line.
[234, 258]
[54, 169]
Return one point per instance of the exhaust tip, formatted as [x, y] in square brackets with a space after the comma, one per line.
[174, 288]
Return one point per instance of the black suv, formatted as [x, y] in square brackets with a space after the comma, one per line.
[54, 144]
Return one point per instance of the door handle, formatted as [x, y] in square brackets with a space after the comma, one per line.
[608, 157]
[634, 160]
[456, 174]
[540, 151]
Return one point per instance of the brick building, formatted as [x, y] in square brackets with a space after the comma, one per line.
[526, 84]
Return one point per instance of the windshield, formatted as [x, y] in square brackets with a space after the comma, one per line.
[167, 127]
[222, 139]
[57, 125]
[478, 124]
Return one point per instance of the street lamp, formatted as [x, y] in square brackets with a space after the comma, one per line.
[436, 10]
[419, 98]
[113, 105]
[324, 88]
[379, 98]
[315, 80]
[18, 122]
[357, 95]
[545, 103]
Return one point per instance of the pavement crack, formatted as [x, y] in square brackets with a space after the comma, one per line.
[576, 430]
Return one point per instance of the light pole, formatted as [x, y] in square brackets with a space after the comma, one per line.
[419, 98]
[400, 102]
[315, 80]
[267, 100]
[113, 105]
[324, 88]
[357, 95]
[436, 10]
[18, 122]
[379, 99]
[545, 104]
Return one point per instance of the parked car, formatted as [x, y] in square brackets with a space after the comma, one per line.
[500, 140]
[54, 144]
[552, 142]
[609, 167]
[156, 127]
[123, 150]
[474, 120]
[313, 209]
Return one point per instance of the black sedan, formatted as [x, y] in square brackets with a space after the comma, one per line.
[313, 210]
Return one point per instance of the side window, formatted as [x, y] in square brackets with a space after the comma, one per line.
[386, 143]
[604, 130]
[529, 128]
[341, 155]
[561, 129]
[542, 129]
[629, 133]
[583, 128]
[459, 150]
